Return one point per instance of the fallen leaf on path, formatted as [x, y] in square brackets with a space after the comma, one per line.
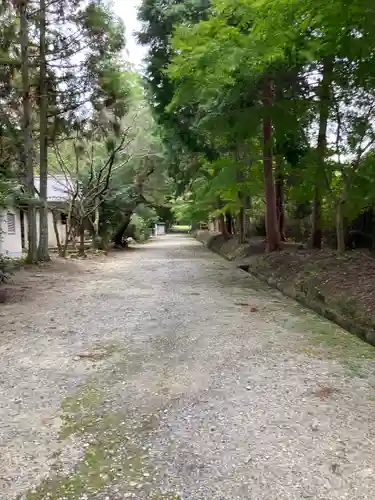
[245, 304]
[90, 355]
[325, 392]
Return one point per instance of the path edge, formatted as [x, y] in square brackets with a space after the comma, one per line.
[352, 326]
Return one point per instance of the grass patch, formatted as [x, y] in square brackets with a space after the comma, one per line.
[177, 228]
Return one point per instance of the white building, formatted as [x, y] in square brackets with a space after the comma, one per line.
[13, 221]
[58, 193]
[10, 232]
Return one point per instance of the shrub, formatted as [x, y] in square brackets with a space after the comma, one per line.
[142, 229]
[7, 267]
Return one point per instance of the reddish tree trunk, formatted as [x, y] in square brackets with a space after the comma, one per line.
[272, 229]
[221, 222]
[324, 104]
[229, 223]
[247, 204]
[316, 230]
[280, 205]
[241, 226]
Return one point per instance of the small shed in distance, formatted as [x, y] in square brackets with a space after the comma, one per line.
[159, 228]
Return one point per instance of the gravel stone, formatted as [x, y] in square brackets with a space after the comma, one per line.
[184, 395]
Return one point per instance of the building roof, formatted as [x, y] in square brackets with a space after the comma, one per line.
[58, 187]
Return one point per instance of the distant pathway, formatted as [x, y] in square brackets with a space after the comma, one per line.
[165, 373]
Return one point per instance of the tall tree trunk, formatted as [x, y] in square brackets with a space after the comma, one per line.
[241, 213]
[22, 223]
[324, 105]
[27, 135]
[229, 223]
[316, 225]
[234, 225]
[97, 241]
[96, 222]
[55, 216]
[247, 205]
[241, 226]
[272, 230]
[222, 221]
[68, 231]
[280, 205]
[81, 248]
[373, 226]
[43, 253]
[222, 227]
[340, 226]
[340, 232]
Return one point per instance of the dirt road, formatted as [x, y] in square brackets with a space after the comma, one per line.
[164, 373]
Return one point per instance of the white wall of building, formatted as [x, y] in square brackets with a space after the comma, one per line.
[10, 233]
[51, 232]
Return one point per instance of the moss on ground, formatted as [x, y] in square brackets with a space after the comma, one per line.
[325, 340]
[79, 411]
[114, 457]
[320, 337]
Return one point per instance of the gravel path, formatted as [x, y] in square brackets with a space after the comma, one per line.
[166, 374]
